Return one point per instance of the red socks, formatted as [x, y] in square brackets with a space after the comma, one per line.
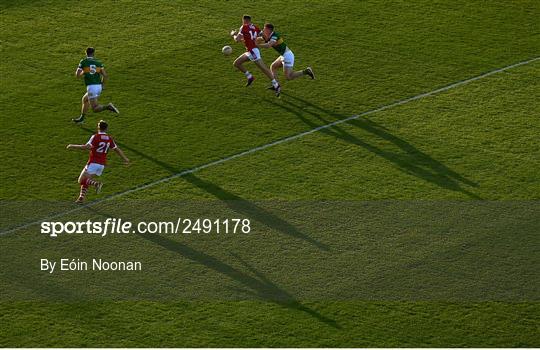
[88, 182]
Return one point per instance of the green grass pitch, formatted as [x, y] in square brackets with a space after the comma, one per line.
[413, 226]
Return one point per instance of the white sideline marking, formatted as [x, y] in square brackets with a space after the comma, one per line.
[268, 145]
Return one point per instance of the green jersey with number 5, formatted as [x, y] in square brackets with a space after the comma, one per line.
[92, 70]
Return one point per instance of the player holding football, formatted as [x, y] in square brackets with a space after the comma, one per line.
[95, 78]
[286, 59]
[99, 144]
[248, 33]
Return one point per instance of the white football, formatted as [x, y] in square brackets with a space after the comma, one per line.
[227, 50]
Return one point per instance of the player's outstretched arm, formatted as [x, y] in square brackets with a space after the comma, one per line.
[104, 76]
[122, 155]
[237, 37]
[264, 46]
[83, 147]
[267, 45]
[79, 72]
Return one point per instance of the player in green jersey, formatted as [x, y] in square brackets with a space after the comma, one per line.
[95, 77]
[286, 59]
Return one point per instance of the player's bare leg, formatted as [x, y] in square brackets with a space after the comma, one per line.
[275, 66]
[239, 64]
[85, 105]
[86, 180]
[291, 75]
[260, 64]
[269, 74]
[96, 107]
[274, 69]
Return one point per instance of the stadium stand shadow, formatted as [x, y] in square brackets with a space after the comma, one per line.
[258, 286]
[233, 201]
[410, 160]
[252, 210]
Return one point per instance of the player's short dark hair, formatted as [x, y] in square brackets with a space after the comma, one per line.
[247, 17]
[269, 26]
[102, 125]
[90, 51]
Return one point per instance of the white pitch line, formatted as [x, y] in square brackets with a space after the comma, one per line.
[271, 144]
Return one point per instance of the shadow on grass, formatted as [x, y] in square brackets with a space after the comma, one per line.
[233, 201]
[259, 286]
[252, 210]
[409, 159]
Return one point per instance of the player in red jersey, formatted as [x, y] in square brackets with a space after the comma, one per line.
[99, 144]
[248, 33]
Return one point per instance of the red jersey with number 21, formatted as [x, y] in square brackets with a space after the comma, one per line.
[101, 143]
[250, 33]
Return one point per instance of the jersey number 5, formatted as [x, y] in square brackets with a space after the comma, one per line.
[92, 69]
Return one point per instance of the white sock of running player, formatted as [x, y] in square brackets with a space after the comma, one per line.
[275, 83]
[248, 74]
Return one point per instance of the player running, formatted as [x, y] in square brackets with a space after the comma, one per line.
[248, 34]
[95, 78]
[286, 59]
[99, 144]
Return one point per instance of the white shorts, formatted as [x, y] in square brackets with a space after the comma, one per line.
[93, 91]
[94, 169]
[253, 54]
[287, 59]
